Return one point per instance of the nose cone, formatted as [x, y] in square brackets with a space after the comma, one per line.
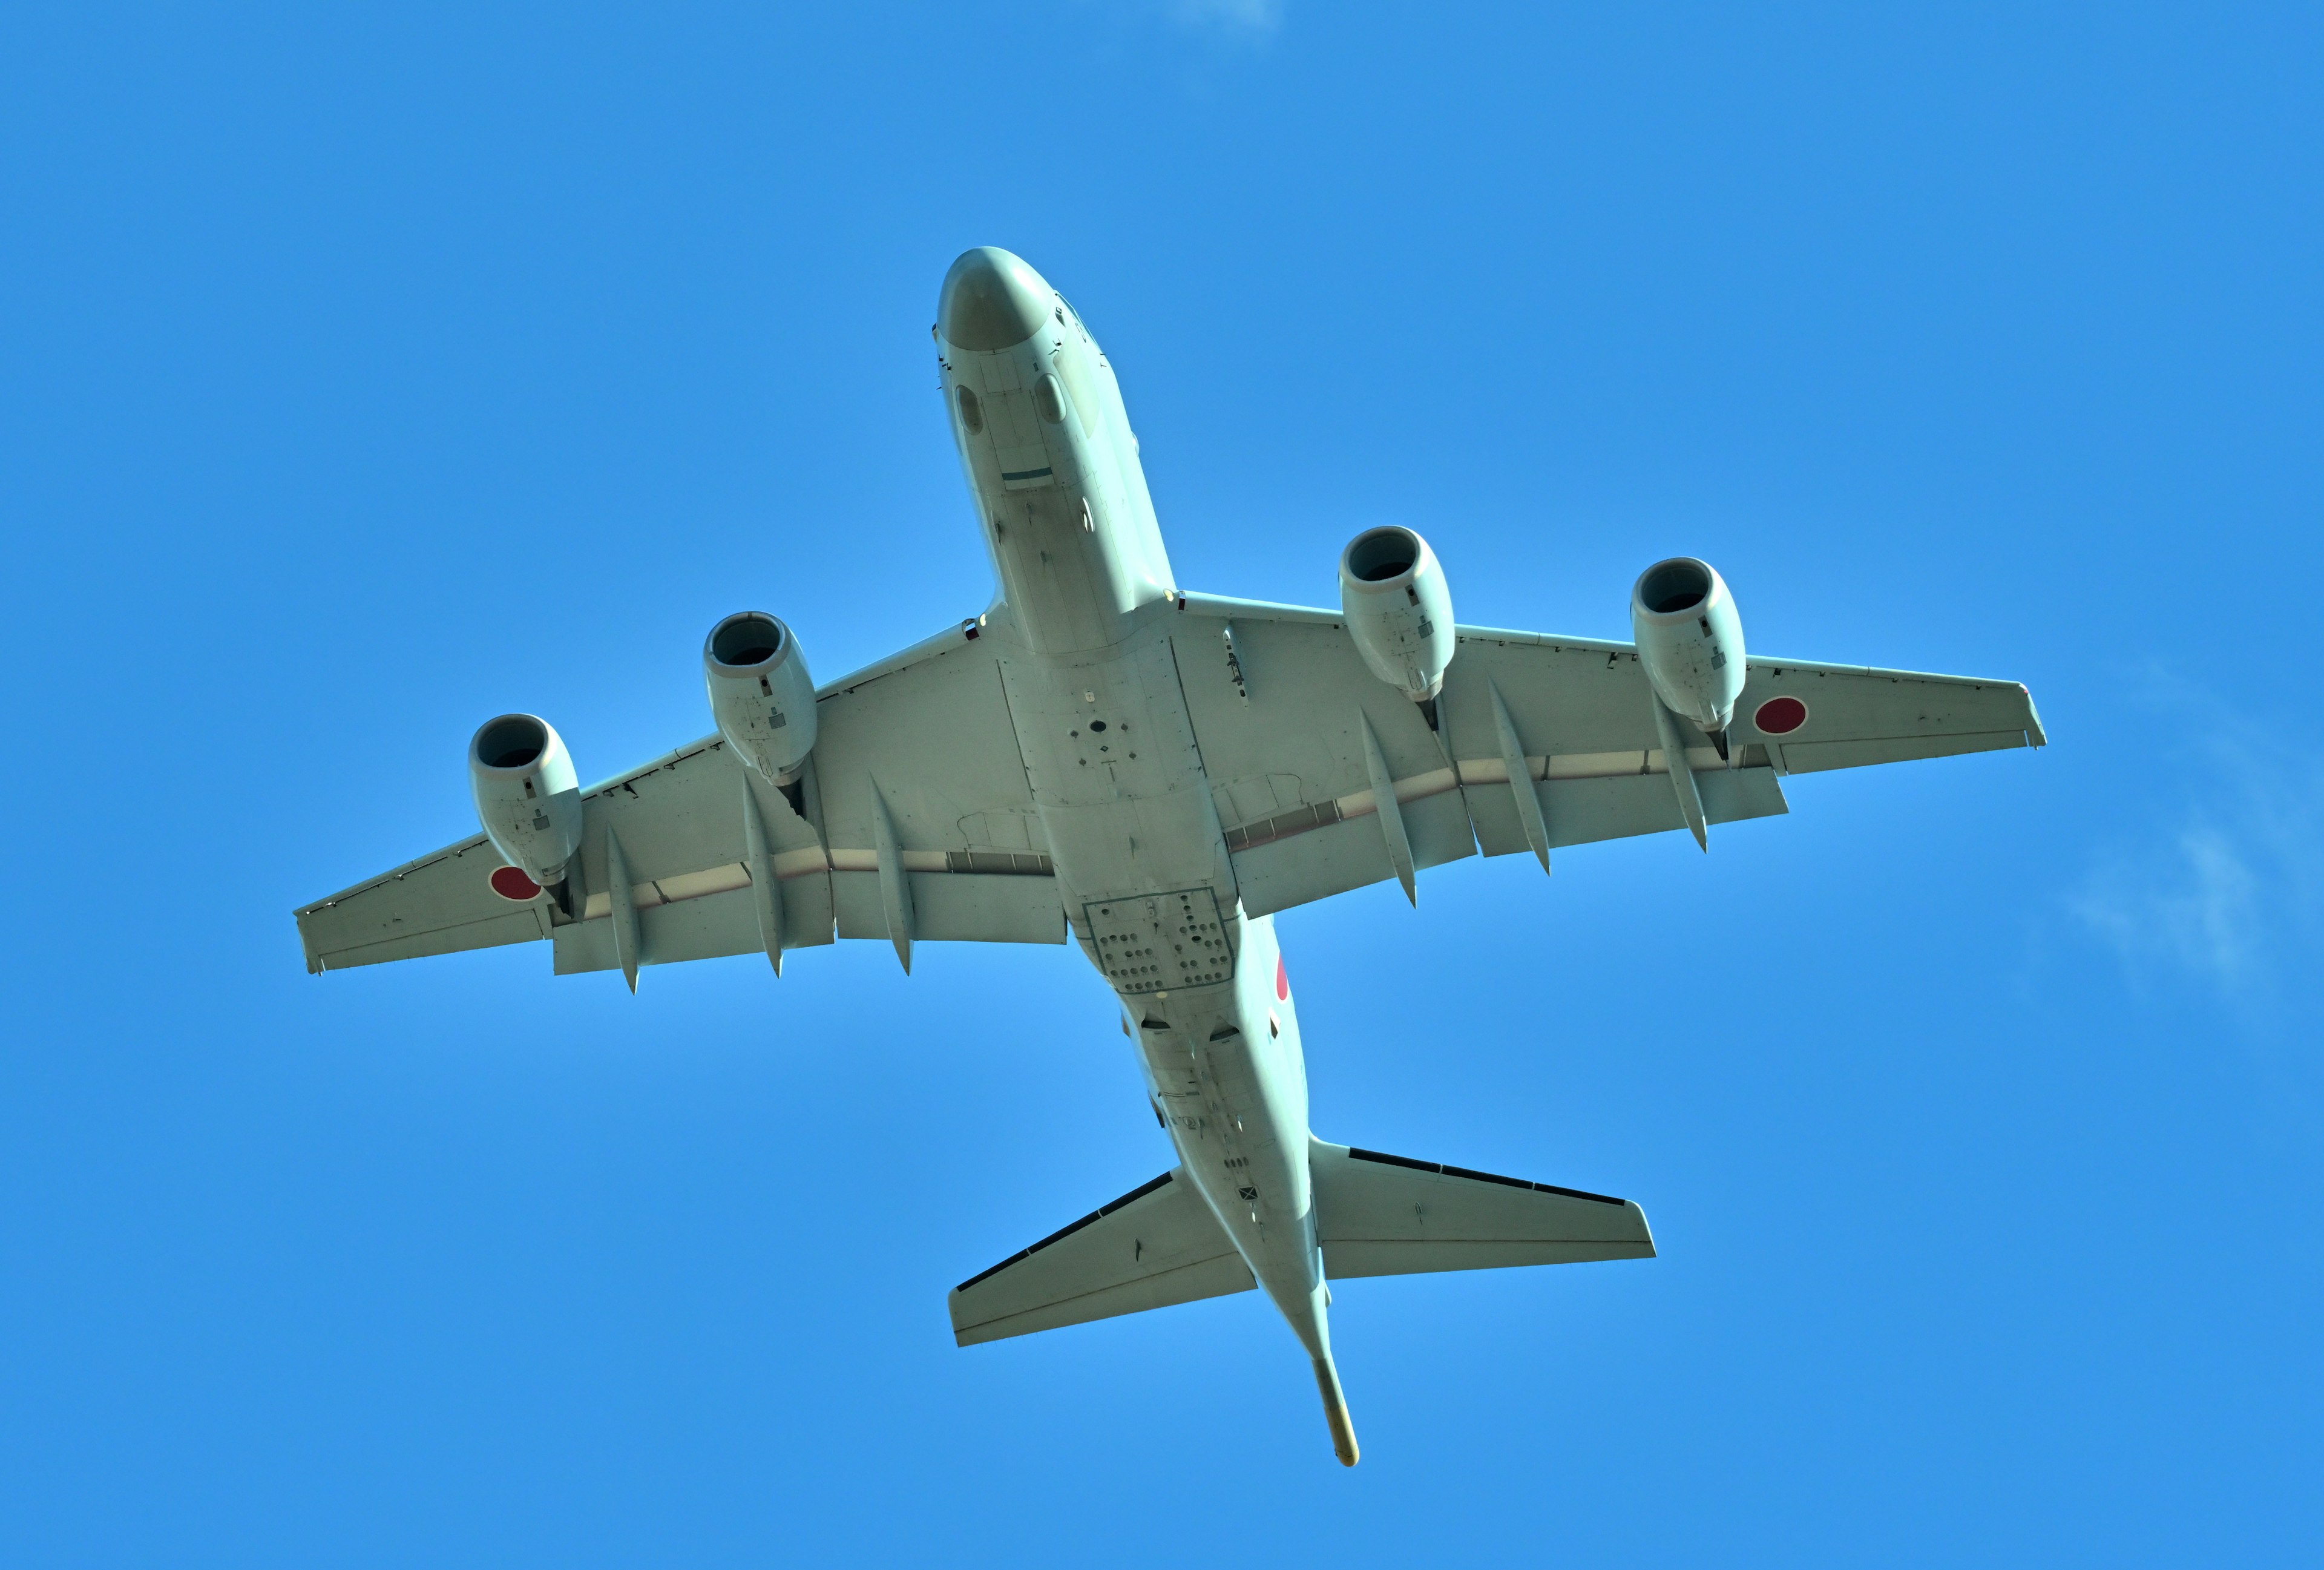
[990, 301]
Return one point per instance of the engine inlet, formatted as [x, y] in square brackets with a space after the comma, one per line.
[1680, 583]
[513, 741]
[1377, 555]
[742, 641]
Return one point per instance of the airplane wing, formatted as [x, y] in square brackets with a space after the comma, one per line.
[1390, 1216]
[1280, 702]
[1155, 1246]
[929, 726]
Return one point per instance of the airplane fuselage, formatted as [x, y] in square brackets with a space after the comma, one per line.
[1081, 627]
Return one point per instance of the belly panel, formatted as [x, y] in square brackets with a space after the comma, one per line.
[1225, 1067]
[1116, 776]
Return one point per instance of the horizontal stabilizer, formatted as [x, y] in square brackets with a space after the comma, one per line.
[1152, 1247]
[1390, 1216]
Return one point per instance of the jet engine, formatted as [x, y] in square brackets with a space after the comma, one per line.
[761, 694]
[1691, 641]
[1398, 611]
[527, 799]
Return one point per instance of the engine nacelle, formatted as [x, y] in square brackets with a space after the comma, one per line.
[761, 694]
[1398, 610]
[527, 797]
[1690, 639]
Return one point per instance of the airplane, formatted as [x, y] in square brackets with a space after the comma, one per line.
[1104, 758]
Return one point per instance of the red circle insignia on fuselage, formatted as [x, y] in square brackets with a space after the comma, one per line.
[511, 883]
[1282, 982]
[1780, 716]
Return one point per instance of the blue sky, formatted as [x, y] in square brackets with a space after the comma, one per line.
[366, 372]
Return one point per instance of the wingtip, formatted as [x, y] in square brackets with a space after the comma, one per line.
[2035, 737]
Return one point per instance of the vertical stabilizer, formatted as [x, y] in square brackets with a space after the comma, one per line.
[1336, 1411]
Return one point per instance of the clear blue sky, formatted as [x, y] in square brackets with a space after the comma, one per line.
[365, 371]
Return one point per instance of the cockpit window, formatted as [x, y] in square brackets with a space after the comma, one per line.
[971, 412]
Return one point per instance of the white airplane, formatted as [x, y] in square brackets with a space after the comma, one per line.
[1104, 757]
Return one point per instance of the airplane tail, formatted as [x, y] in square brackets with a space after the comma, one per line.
[1336, 1411]
[1375, 1215]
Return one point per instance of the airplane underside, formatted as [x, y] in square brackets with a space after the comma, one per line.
[1104, 758]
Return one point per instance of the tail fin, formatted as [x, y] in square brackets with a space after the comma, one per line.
[1390, 1216]
[1155, 1246]
[1336, 1411]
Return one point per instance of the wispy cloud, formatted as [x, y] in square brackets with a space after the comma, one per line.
[1247, 19]
[1224, 25]
[2229, 890]
[2196, 905]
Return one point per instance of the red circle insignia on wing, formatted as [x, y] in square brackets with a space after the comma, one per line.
[511, 883]
[1780, 716]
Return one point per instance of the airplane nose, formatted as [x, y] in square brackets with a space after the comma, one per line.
[990, 301]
